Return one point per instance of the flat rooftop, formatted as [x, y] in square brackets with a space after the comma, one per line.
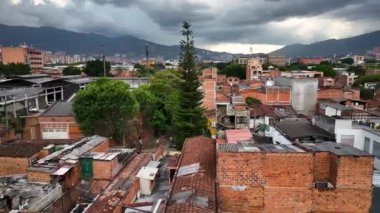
[302, 128]
[254, 147]
[335, 148]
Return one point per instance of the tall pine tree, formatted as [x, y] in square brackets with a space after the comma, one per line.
[189, 118]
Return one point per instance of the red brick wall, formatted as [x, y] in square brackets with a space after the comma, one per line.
[321, 166]
[13, 165]
[285, 199]
[355, 172]
[330, 94]
[288, 169]
[132, 192]
[283, 182]
[341, 200]
[37, 176]
[251, 199]
[102, 169]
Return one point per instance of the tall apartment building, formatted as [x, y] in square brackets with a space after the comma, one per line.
[23, 54]
[254, 68]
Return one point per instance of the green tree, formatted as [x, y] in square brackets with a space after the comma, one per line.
[159, 100]
[95, 68]
[366, 78]
[14, 69]
[189, 119]
[251, 102]
[104, 108]
[326, 68]
[235, 70]
[358, 70]
[366, 93]
[71, 70]
[348, 61]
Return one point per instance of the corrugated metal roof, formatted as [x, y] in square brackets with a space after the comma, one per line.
[252, 147]
[335, 148]
[61, 171]
[189, 169]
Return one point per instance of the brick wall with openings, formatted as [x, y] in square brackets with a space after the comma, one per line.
[284, 182]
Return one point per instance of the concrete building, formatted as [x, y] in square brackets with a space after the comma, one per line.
[254, 69]
[358, 59]
[324, 177]
[302, 74]
[278, 60]
[303, 93]
[23, 54]
[232, 113]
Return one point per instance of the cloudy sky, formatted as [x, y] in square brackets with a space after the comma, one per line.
[221, 25]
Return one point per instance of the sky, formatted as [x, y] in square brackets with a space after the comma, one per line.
[236, 26]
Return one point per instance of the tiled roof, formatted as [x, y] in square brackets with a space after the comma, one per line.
[195, 190]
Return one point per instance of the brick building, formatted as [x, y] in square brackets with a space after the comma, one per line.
[24, 55]
[324, 177]
[58, 122]
[15, 158]
[316, 60]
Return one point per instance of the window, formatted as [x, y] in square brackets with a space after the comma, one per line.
[367, 143]
[376, 149]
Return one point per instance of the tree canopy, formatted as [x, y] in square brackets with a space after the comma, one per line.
[326, 68]
[348, 61]
[235, 70]
[158, 100]
[251, 102]
[189, 119]
[366, 78]
[14, 69]
[95, 68]
[104, 108]
[71, 70]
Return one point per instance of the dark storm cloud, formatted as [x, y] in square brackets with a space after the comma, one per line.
[240, 21]
[253, 12]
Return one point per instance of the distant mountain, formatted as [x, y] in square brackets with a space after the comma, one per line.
[353, 45]
[52, 39]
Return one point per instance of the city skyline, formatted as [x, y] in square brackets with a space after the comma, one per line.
[245, 26]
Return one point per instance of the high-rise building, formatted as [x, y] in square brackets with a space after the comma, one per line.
[23, 54]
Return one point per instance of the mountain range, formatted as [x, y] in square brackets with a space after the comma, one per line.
[354, 45]
[53, 39]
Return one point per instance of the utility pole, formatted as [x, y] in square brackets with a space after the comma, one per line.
[147, 55]
[104, 62]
